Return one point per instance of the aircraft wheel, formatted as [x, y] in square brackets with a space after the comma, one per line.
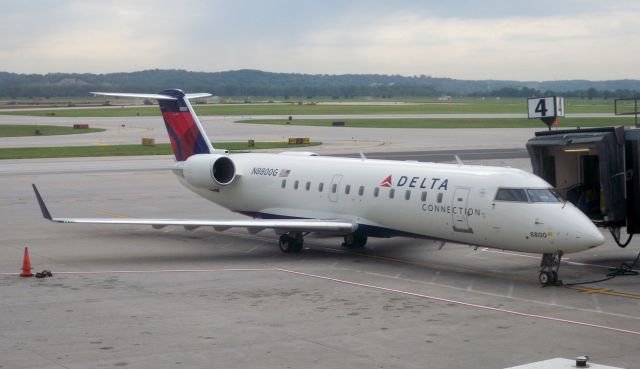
[285, 243]
[545, 278]
[289, 244]
[354, 241]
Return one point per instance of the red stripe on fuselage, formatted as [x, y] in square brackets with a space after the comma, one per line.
[185, 127]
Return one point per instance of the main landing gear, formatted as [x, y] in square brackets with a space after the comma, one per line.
[291, 242]
[354, 241]
[549, 269]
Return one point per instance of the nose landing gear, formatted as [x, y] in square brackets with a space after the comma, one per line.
[549, 269]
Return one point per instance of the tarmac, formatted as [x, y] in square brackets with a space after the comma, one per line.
[135, 297]
[131, 130]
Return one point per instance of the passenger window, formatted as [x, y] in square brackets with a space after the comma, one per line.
[334, 188]
[376, 191]
[308, 186]
[347, 189]
[511, 194]
[543, 195]
[284, 183]
[407, 194]
[361, 191]
[392, 193]
[320, 187]
[439, 198]
[295, 185]
[423, 197]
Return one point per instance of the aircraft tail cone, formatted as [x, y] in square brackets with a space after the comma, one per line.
[26, 264]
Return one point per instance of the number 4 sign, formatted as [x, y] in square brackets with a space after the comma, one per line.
[546, 107]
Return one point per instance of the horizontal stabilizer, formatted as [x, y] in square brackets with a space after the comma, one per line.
[141, 96]
[197, 95]
[151, 96]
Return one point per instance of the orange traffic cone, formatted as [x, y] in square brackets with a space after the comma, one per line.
[26, 264]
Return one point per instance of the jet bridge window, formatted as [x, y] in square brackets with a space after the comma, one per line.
[511, 194]
[543, 195]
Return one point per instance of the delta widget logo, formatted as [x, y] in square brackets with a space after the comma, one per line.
[387, 182]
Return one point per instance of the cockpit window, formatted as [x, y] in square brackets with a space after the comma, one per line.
[511, 194]
[543, 195]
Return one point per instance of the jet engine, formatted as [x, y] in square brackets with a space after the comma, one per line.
[209, 171]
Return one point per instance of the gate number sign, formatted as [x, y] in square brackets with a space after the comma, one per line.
[545, 107]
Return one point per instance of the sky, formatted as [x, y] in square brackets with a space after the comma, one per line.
[517, 40]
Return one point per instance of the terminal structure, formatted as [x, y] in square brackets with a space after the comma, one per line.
[596, 169]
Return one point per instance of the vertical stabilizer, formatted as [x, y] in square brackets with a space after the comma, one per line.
[185, 131]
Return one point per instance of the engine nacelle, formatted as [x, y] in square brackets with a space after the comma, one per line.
[209, 171]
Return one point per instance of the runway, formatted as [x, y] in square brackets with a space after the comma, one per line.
[129, 296]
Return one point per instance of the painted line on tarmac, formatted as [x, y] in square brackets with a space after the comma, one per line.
[605, 291]
[564, 259]
[427, 153]
[441, 267]
[162, 271]
[356, 284]
[461, 303]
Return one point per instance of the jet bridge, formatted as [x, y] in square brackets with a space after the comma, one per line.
[596, 169]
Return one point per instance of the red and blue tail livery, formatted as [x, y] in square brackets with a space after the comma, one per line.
[185, 130]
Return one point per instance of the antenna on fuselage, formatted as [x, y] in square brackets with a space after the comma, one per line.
[362, 156]
[458, 160]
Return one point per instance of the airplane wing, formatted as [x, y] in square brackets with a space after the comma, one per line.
[252, 225]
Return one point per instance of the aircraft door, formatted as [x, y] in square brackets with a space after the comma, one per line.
[334, 188]
[459, 210]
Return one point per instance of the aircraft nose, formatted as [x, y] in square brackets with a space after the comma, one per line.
[590, 235]
[582, 233]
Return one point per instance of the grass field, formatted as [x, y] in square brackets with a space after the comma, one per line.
[449, 123]
[17, 130]
[126, 150]
[463, 105]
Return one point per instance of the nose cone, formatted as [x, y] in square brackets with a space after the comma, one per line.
[587, 235]
[590, 236]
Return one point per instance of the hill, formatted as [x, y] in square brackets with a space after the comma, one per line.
[259, 83]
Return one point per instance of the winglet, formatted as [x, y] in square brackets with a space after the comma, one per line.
[43, 207]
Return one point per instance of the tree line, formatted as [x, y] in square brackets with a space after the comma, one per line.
[265, 84]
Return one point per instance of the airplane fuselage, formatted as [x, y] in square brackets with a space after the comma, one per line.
[384, 198]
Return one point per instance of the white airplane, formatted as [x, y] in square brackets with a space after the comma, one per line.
[295, 193]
